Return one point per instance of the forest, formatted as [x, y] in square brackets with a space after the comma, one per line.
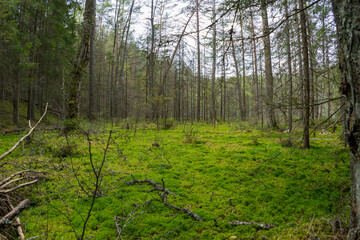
[165, 119]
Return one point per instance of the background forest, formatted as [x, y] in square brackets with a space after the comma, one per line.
[166, 119]
[245, 63]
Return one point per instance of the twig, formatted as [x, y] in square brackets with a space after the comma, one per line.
[19, 186]
[184, 210]
[128, 219]
[26, 135]
[266, 226]
[157, 187]
[326, 119]
[98, 177]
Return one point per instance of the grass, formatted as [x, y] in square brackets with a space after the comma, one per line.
[222, 174]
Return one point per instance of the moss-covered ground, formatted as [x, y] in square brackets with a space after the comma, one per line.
[224, 173]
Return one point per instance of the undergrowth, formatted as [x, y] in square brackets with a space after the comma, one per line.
[224, 173]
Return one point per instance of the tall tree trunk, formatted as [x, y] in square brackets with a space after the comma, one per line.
[301, 71]
[91, 69]
[82, 60]
[151, 60]
[255, 68]
[243, 68]
[268, 67]
[213, 74]
[124, 42]
[238, 79]
[306, 137]
[347, 18]
[288, 51]
[112, 80]
[198, 62]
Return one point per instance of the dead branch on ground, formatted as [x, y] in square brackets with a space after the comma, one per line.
[266, 226]
[17, 180]
[163, 192]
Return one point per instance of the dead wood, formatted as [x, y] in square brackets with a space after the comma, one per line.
[18, 222]
[190, 213]
[14, 212]
[32, 128]
[266, 226]
[157, 187]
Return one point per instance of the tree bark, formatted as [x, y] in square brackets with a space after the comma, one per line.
[82, 60]
[268, 67]
[347, 18]
[91, 69]
[213, 74]
[288, 51]
[198, 62]
[305, 48]
[238, 79]
[255, 75]
[243, 68]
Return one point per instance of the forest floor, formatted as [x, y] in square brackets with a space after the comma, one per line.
[222, 174]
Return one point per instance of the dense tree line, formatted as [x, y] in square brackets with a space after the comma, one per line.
[266, 62]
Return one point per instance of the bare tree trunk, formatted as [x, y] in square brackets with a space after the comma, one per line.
[151, 61]
[243, 68]
[288, 50]
[238, 79]
[347, 18]
[301, 71]
[213, 75]
[306, 137]
[255, 75]
[268, 68]
[82, 60]
[91, 69]
[198, 62]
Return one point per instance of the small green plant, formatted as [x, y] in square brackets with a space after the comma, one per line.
[254, 141]
[191, 137]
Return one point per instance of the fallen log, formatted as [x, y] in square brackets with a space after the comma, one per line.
[14, 212]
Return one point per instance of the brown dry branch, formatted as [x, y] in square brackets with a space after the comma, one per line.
[18, 222]
[26, 135]
[128, 219]
[157, 187]
[163, 195]
[190, 213]
[14, 212]
[13, 182]
[266, 226]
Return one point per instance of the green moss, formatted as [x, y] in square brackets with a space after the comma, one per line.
[225, 173]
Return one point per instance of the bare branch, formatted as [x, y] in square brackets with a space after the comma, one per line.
[184, 210]
[18, 186]
[14, 212]
[26, 135]
[157, 187]
[266, 226]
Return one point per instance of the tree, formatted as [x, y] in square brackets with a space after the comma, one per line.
[198, 62]
[290, 77]
[82, 60]
[213, 74]
[305, 48]
[91, 68]
[268, 67]
[347, 19]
